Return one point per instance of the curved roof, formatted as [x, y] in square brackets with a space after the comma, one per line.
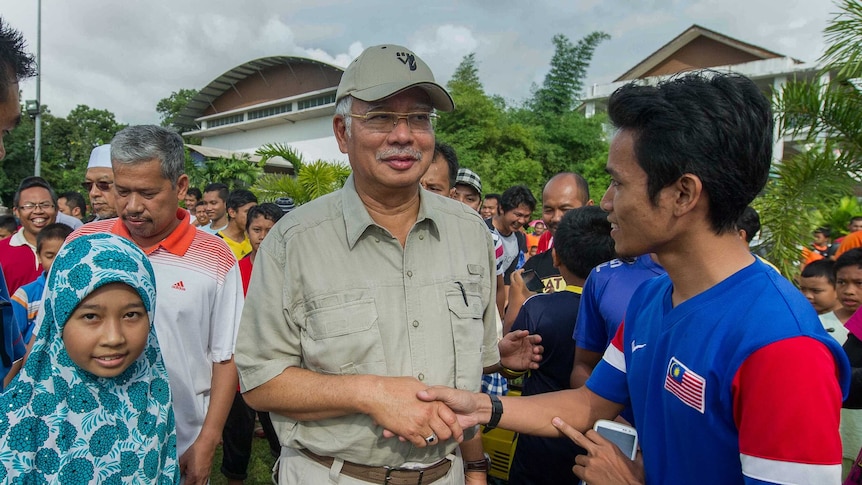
[195, 108]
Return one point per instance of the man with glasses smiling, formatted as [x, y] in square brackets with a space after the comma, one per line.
[35, 206]
[363, 296]
[99, 183]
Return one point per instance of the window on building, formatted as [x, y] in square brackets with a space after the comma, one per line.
[226, 120]
[270, 111]
[314, 102]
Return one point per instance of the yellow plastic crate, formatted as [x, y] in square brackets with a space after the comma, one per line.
[500, 445]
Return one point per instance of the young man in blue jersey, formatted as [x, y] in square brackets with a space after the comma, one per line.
[731, 377]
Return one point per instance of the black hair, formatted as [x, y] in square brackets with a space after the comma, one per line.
[749, 222]
[583, 239]
[492, 196]
[196, 192]
[239, 198]
[267, 210]
[717, 127]
[75, 199]
[821, 267]
[855, 218]
[515, 196]
[56, 230]
[827, 233]
[850, 258]
[9, 223]
[29, 183]
[222, 189]
[448, 154]
[200, 203]
[15, 64]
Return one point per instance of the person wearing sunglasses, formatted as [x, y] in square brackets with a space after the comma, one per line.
[99, 183]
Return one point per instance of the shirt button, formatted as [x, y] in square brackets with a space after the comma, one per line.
[409, 274]
[415, 323]
[422, 237]
[377, 239]
[421, 377]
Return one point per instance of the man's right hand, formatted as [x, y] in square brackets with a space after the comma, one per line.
[468, 406]
[397, 409]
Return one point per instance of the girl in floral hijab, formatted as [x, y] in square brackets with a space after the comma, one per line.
[92, 402]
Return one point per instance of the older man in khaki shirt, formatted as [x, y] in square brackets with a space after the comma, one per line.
[363, 297]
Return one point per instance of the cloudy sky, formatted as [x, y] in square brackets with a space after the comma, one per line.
[123, 56]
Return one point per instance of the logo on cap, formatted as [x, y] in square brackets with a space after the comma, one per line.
[408, 59]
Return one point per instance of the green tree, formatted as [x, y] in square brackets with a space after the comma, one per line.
[168, 108]
[236, 172]
[564, 82]
[311, 180]
[66, 146]
[488, 140]
[825, 118]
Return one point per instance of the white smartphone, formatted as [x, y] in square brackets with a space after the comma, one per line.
[625, 437]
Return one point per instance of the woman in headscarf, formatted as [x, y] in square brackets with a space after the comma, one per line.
[92, 402]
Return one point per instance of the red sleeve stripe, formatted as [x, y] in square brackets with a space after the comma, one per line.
[774, 471]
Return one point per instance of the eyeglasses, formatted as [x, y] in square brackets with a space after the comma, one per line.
[385, 121]
[41, 205]
[101, 185]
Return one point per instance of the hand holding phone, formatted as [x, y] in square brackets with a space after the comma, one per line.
[532, 281]
[625, 437]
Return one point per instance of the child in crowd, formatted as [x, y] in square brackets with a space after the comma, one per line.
[8, 226]
[28, 299]
[239, 428]
[92, 403]
[817, 283]
[848, 284]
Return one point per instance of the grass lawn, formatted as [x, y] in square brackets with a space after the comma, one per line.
[259, 468]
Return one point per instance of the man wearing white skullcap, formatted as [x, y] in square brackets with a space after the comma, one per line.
[99, 183]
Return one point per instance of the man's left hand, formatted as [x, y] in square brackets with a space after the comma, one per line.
[196, 463]
[604, 463]
[520, 351]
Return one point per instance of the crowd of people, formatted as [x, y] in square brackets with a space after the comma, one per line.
[372, 330]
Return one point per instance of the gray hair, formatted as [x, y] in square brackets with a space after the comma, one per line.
[344, 108]
[143, 143]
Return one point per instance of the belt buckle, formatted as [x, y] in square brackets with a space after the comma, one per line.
[389, 469]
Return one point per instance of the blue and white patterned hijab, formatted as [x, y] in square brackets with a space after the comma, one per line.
[61, 424]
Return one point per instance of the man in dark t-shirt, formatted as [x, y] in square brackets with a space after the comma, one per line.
[583, 240]
[562, 193]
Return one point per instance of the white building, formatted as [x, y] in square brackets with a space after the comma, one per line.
[278, 99]
[701, 48]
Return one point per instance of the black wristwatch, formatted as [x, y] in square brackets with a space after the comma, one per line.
[483, 465]
[496, 412]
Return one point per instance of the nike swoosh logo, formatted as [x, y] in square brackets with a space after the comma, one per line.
[637, 347]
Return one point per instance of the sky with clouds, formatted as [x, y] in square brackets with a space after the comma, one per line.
[124, 56]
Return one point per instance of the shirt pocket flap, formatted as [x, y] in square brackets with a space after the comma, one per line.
[465, 305]
[341, 319]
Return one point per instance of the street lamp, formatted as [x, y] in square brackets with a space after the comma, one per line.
[31, 106]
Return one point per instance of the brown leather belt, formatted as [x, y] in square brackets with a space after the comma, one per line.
[385, 474]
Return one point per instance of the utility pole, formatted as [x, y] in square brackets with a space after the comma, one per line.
[38, 170]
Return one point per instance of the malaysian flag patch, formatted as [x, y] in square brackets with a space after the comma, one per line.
[689, 387]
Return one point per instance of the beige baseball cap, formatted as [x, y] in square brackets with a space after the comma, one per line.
[384, 70]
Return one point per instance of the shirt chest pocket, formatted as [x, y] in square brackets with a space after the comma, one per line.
[343, 338]
[465, 313]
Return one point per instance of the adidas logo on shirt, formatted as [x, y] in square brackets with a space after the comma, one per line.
[179, 286]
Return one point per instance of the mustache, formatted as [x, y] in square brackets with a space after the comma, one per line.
[398, 152]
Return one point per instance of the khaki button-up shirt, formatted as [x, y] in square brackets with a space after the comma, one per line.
[335, 293]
